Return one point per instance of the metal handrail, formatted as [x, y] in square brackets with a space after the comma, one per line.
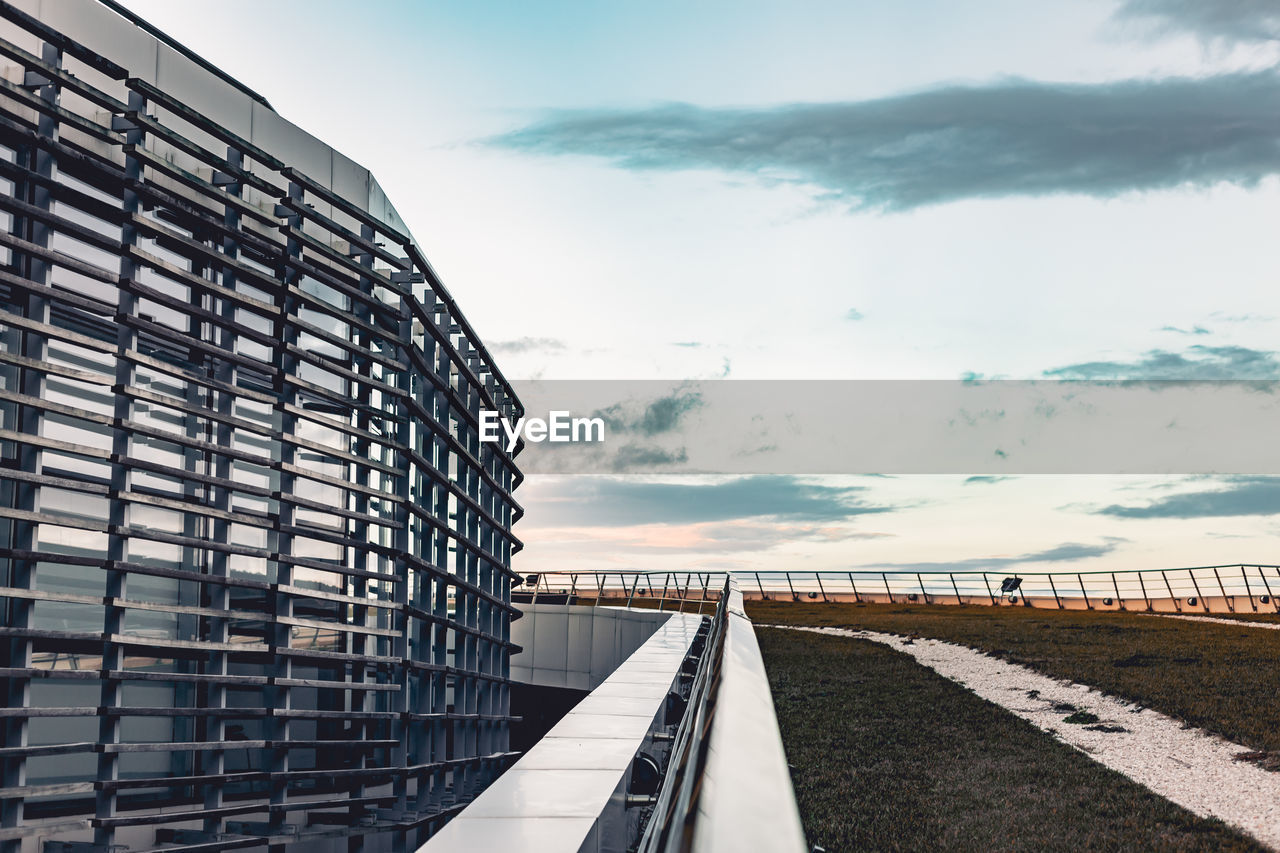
[1245, 588]
[727, 786]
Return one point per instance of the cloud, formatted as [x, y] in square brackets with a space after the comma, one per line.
[1067, 552]
[632, 456]
[1210, 20]
[1194, 330]
[854, 314]
[612, 502]
[523, 345]
[1196, 362]
[1009, 138]
[653, 418]
[688, 344]
[984, 479]
[1243, 496]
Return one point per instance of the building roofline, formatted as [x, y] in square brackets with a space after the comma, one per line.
[170, 41]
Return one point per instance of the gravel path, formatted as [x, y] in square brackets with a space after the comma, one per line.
[1274, 626]
[1194, 769]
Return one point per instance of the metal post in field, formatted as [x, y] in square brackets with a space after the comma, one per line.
[794, 597]
[954, 587]
[1116, 586]
[885, 578]
[818, 578]
[923, 591]
[987, 581]
[1143, 587]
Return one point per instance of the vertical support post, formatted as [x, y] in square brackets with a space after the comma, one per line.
[1145, 597]
[1247, 589]
[1177, 605]
[887, 589]
[1053, 587]
[1116, 586]
[763, 595]
[923, 591]
[853, 586]
[990, 593]
[1088, 605]
[1200, 595]
[818, 577]
[951, 575]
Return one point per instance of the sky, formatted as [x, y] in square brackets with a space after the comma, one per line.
[767, 190]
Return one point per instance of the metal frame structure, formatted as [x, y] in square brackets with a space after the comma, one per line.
[254, 560]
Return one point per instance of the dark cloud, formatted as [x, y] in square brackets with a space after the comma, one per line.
[607, 502]
[522, 345]
[632, 456]
[653, 418]
[1065, 553]
[1011, 138]
[1243, 496]
[1196, 362]
[1231, 20]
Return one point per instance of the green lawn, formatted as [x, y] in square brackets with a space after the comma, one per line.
[1217, 677]
[888, 755]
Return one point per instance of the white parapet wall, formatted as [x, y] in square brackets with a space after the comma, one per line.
[568, 793]
[577, 647]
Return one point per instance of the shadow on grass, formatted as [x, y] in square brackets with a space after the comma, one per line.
[888, 755]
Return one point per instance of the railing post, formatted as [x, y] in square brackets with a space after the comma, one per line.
[1143, 587]
[662, 604]
[1271, 595]
[763, 595]
[632, 596]
[1088, 605]
[885, 578]
[1053, 587]
[818, 578]
[1203, 603]
[1116, 586]
[987, 581]
[954, 587]
[1247, 589]
[923, 591]
[853, 586]
[1177, 605]
[794, 597]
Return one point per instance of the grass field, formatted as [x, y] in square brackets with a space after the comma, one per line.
[1214, 676]
[889, 755]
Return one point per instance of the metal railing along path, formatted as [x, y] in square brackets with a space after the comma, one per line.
[1236, 588]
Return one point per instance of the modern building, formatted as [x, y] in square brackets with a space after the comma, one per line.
[255, 564]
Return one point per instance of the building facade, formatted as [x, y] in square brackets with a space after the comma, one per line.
[254, 560]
